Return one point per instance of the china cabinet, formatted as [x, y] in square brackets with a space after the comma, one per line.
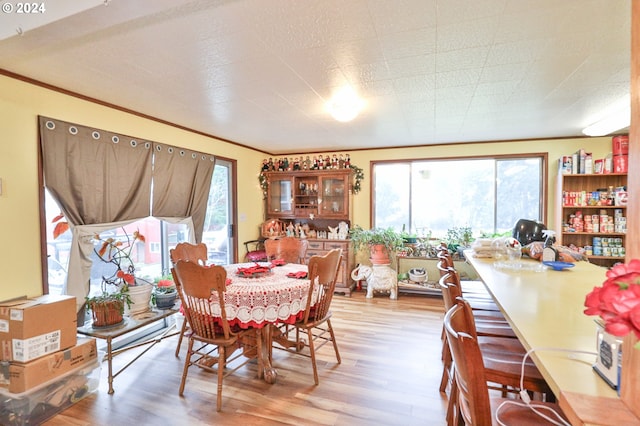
[591, 215]
[322, 194]
[318, 199]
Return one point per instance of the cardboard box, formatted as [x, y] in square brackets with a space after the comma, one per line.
[35, 406]
[32, 328]
[23, 377]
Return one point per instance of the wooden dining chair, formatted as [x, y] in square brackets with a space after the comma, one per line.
[212, 340]
[315, 325]
[502, 361]
[470, 287]
[290, 249]
[473, 403]
[193, 253]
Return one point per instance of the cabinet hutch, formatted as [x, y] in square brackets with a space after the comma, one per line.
[319, 199]
[591, 217]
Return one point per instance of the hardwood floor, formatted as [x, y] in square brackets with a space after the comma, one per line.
[389, 375]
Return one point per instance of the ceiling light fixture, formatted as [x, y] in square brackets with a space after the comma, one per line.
[616, 117]
[345, 105]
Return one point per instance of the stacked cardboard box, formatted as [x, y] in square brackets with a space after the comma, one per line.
[40, 354]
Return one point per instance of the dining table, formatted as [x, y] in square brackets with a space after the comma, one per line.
[545, 308]
[264, 300]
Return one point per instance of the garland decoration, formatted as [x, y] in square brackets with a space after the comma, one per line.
[359, 176]
[264, 184]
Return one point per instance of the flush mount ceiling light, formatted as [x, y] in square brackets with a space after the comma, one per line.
[345, 105]
[616, 117]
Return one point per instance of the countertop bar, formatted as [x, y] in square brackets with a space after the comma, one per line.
[545, 309]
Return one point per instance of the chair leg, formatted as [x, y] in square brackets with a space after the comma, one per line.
[187, 363]
[333, 340]
[221, 365]
[184, 329]
[446, 367]
[312, 351]
[453, 419]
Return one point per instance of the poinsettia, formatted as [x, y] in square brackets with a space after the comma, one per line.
[617, 302]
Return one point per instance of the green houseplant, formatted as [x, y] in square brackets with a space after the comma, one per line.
[381, 242]
[459, 238]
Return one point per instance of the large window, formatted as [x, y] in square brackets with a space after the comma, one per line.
[152, 257]
[430, 196]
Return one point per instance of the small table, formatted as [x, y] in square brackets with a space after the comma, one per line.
[263, 302]
[128, 325]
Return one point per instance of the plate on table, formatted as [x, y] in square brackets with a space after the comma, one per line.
[557, 265]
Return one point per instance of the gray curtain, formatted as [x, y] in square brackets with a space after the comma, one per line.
[103, 180]
[181, 182]
[97, 178]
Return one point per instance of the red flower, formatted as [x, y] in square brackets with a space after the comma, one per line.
[617, 302]
[165, 283]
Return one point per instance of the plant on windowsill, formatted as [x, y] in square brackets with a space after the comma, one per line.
[459, 238]
[164, 292]
[382, 243]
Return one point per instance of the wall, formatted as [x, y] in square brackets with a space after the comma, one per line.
[20, 104]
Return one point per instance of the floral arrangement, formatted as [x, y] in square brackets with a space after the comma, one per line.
[118, 253]
[617, 302]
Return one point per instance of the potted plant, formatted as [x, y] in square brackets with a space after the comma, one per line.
[408, 237]
[459, 238]
[118, 252]
[107, 308]
[164, 292]
[381, 242]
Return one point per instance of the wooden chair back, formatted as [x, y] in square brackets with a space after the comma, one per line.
[198, 283]
[473, 395]
[323, 272]
[191, 252]
[291, 249]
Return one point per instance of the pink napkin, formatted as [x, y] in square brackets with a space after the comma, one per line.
[299, 275]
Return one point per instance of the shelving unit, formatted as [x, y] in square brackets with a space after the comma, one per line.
[572, 199]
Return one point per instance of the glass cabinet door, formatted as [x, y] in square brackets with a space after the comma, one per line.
[281, 196]
[334, 196]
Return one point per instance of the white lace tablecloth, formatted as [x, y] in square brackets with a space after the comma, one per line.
[273, 298]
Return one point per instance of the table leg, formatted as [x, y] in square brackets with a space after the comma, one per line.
[269, 373]
[109, 366]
